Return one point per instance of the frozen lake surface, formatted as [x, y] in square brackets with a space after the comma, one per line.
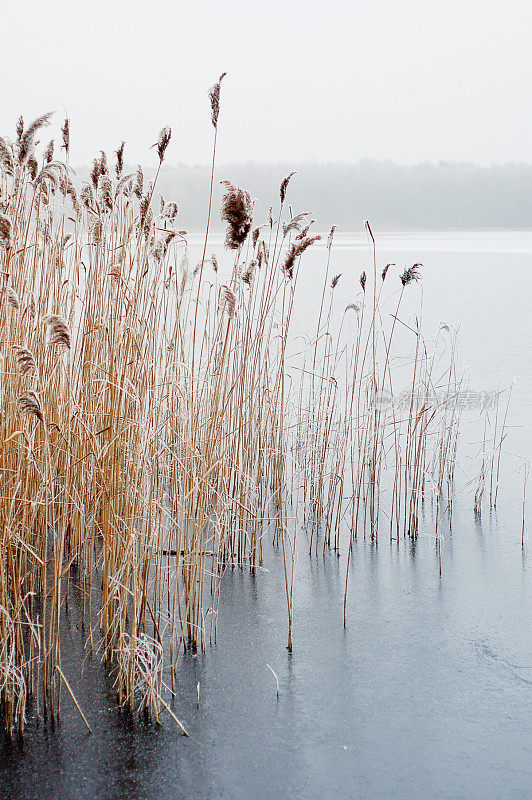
[427, 691]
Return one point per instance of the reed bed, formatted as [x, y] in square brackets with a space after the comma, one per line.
[159, 419]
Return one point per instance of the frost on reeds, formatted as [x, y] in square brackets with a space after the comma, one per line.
[159, 423]
[57, 331]
[25, 360]
[214, 97]
[30, 404]
[5, 232]
[296, 250]
[237, 211]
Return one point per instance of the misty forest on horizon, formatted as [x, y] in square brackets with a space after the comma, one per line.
[425, 196]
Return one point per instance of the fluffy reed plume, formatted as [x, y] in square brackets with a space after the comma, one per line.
[99, 168]
[411, 274]
[57, 331]
[262, 254]
[248, 272]
[385, 270]
[214, 97]
[69, 189]
[19, 130]
[32, 166]
[214, 262]
[145, 215]
[169, 211]
[237, 210]
[295, 251]
[304, 231]
[330, 237]
[30, 405]
[105, 193]
[295, 223]
[86, 195]
[229, 299]
[65, 133]
[162, 142]
[26, 138]
[5, 232]
[119, 160]
[125, 185]
[95, 230]
[139, 183]
[12, 298]
[284, 186]
[25, 360]
[363, 280]
[49, 152]
[335, 280]
[160, 245]
[7, 160]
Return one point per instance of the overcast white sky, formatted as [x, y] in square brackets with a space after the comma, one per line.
[330, 81]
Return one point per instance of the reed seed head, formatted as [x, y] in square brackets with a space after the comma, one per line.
[236, 210]
[162, 142]
[12, 298]
[411, 274]
[214, 97]
[295, 223]
[5, 232]
[32, 167]
[25, 360]
[139, 183]
[284, 186]
[86, 195]
[49, 152]
[119, 160]
[105, 193]
[19, 130]
[160, 245]
[30, 405]
[356, 307]
[230, 300]
[170, 211]
[65, 132]
[26, 139]
[385, 270]
[248, 272]
[305, 230]
[294, 251]
[57, 331]
[330, 238]
[6, 157]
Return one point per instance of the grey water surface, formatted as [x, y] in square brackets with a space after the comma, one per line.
[426, 693]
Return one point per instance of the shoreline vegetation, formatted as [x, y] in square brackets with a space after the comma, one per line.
[158, 420]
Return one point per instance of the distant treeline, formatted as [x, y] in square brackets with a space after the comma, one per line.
[424, 196]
